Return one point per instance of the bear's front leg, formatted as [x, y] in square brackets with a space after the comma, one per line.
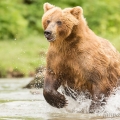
[51, 95]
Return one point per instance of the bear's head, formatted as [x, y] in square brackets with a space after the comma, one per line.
[57, 23]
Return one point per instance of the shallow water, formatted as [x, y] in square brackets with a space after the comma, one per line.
[24, 104]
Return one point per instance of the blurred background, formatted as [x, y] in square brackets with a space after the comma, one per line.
[22, 44]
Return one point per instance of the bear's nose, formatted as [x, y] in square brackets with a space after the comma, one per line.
[46, 32]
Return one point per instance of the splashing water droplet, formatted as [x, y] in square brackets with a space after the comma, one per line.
[82, 104]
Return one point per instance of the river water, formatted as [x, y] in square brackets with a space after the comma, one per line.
[17, 103]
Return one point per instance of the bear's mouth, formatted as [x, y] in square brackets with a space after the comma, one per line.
[50, 38]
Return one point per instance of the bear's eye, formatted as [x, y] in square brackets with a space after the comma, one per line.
[48, 21]
[59, 22]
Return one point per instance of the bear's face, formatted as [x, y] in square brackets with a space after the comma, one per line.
[57, 23]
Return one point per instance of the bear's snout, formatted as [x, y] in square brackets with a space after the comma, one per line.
[49, 35]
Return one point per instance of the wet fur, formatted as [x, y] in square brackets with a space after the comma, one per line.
[83, 61]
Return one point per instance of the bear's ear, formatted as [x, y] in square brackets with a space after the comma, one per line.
[76, 11]
[47, 6]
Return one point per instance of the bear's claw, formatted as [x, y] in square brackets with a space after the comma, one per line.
[55, 99]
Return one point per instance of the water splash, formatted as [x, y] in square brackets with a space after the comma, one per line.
[39, 78]
[113, 102]
[82, 104]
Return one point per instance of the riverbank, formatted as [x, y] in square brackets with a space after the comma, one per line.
[21, 57]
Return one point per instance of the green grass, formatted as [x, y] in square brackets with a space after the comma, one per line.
[116, 42]
[23, 55]
[27, 54]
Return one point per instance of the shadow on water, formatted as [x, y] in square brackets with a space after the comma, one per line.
[24, 104]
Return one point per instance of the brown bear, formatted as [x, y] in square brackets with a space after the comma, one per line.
[77, 58]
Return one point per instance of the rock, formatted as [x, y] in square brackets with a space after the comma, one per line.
[37, 81]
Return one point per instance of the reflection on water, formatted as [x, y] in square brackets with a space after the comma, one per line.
[23, 104]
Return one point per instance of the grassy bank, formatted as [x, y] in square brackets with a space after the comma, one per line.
[116, 42]
[25, 55]
[22, 55]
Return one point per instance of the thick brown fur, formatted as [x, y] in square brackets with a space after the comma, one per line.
[77, 57]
